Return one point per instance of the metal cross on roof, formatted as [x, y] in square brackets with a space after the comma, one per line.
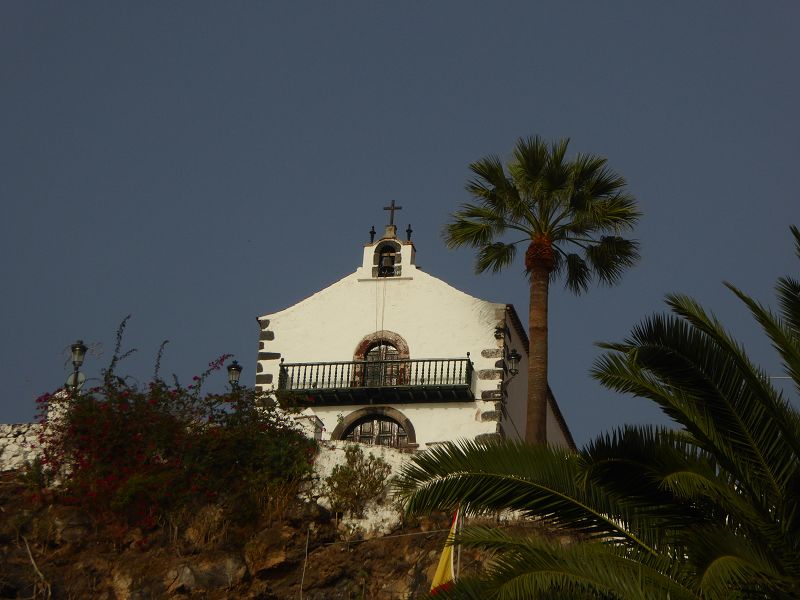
[392, 208]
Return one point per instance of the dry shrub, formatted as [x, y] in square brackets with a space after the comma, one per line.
[207, 528]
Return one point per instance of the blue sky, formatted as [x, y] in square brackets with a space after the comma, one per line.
[197, 164]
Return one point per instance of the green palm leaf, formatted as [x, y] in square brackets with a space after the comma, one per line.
[534, 567]
[674, 487]
[789, 302]
[495, 257]
[786, 342]
[788, 290]
[578, 274]
[695, 372]
[535, 480]
[611, 256]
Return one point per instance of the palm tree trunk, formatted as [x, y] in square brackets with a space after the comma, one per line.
[536, 421]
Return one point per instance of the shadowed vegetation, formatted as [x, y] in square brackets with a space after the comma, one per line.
[708, 510]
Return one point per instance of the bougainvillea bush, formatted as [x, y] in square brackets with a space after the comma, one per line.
[140, 454]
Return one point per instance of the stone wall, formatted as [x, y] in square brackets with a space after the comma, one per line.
[379, 519]
[17, 444]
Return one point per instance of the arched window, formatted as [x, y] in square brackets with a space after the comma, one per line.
[376, 425]
[378, 430]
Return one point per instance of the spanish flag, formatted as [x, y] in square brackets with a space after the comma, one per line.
[445, 573]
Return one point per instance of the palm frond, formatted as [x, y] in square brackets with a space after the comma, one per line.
[492, 186]
[587, 168]
[788, 290]
[495, 257]
[490, 171]
[611, 256]
[558, 152]
[785, 341]
[725, 561]
[527, 170]
[535, 480]
[557, 177]
[702, 379]
[671, 483]
[482, 214]
[578, 276]
[473, 226]
[534, 567]
[530, 160]
[559, 264]
[755, 410]
[592, 180]
[605, 215]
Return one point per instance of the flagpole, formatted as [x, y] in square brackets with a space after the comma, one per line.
[458, 551]
[445, 574]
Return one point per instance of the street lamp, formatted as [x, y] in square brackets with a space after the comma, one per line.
[78, 353]
[513, 362]
[77, 378]
[234, 371]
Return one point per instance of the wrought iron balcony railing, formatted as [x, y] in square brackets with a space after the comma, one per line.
[420, 380]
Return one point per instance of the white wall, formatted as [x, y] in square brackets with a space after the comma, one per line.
[433, 422]
[435, 320]
[379, 519]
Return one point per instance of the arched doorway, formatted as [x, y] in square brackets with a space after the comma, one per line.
[383, 353]
[382, 368]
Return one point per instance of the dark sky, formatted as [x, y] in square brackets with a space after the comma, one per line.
[199, 164]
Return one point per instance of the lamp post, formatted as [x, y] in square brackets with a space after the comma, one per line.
[234, 371]
[511, 365]
[513, 362]
[77, 378]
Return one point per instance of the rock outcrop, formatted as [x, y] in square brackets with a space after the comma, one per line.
[83, 556]
[18, 445]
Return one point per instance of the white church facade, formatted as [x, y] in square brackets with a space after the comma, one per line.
[391, 355]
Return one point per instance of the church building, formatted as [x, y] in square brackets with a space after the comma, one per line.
[392, 355]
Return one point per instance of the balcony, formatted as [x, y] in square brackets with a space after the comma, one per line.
[377, 381]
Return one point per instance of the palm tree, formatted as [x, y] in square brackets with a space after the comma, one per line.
[709, 510]
[569, 212]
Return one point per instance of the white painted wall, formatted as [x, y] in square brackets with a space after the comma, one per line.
[435, 319]
[433, 422]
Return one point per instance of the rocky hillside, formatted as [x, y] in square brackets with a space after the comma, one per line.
[56, 551]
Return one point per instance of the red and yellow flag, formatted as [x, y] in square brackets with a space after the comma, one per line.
[445, 573]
